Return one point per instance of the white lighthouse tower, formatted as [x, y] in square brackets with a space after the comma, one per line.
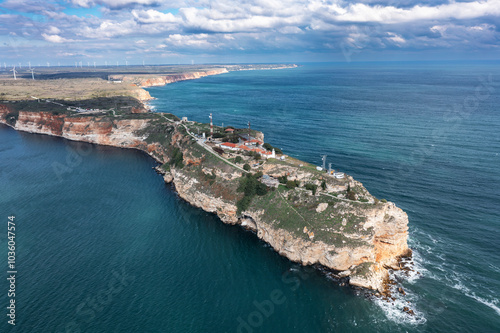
[211, 126]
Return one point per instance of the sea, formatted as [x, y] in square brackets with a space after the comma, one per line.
[102, 244]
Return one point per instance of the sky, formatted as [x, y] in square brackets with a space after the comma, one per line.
[246, 31]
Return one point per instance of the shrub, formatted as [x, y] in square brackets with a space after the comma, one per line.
[267, 146]
[238, 159]
[218, 150]
[323, 185]
[351, 195]
[261, 189]
[283, 179]
[177, 158]
[383, 200]
[311, 187]
[243, 204]
[250, 186]
[219, 135]
[246, 167]
[290, 184]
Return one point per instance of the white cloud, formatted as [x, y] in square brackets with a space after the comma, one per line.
[55, 38]
[196, 40]
[389, 14]
[108, 29]
[115, 4]
[154, 16]
[395, 38]
[53, 30]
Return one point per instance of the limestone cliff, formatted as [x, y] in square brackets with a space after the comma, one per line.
[359, 240]
[150, 80]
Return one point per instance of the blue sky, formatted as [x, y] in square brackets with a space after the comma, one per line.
[223, 31]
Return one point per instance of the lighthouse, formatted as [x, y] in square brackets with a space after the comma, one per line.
[211, 126]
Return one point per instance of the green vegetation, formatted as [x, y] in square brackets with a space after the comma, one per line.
[250, 186]
[311, 187]
[383, 201]
[269, 147]
[238, 159]
[291, 184]
[246, 167]
[177, 158]
[323, 185]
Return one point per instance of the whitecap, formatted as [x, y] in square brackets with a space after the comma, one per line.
[492, 304]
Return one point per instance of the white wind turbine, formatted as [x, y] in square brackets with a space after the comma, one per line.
[32, 74]
[29, 65]
[48, 64]
[13, 70]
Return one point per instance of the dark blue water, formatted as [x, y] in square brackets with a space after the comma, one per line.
[105, 246]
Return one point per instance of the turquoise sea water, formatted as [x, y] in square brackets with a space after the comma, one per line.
[103, 245]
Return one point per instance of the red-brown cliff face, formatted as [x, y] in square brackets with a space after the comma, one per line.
[99, 130]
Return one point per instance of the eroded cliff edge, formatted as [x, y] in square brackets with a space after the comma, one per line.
[339, 225]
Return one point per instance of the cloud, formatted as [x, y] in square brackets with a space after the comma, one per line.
[108, 29]
[55, 38]
[360, 12]
[154, 16]
[30, 6]
[194, 40]
[116, 4]
[255, 26]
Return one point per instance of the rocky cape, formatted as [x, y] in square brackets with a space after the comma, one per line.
[363, 255]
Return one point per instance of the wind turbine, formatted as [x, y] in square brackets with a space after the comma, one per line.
[20, 65]
[13, 70]
[94, 64]
[32, 74]
[126, 63]
[29, 64]
[48, 64]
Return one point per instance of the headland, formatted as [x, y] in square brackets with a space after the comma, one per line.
[306, 213]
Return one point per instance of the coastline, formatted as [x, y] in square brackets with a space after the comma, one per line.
[362, 256]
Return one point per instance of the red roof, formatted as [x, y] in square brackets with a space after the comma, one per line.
[244, 147]
[228, 144]
[229, 130]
